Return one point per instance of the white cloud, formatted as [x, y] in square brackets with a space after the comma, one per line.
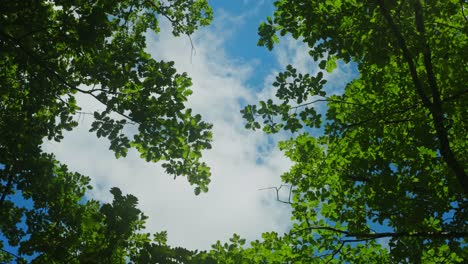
[296, 53]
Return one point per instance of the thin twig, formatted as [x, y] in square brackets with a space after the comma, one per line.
[371, 236]
[92, 114]
[336, 252]
[12, 254]
[277, 189]
[175, 22]
[330, 100]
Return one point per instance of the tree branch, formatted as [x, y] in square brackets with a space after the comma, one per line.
[112, 109]
[277, 189]
[193, 51]
[336, 252]
[401, 111]
[406, 53]
[13, 254]
[330, 100]
[371, 236]
[436, 109]
[463, 10]
[7, 169]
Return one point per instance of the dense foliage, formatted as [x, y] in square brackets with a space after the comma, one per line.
[380, 176]
[383, 178]
[51, 51]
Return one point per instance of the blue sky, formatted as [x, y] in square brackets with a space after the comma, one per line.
[243, 43]
[228, 71]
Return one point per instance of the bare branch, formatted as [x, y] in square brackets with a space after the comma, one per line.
[277, 189]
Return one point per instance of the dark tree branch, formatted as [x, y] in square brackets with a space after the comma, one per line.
[435, 107]
[18, 258]
[462, 6]
[159, 9]
[92, 114]
[335, 252]
[406, 54]
[359, 178]
[331, 100]
[387, 114]
[372, 236]
[401, 111]
[112, 109]
[384, 121]
[449, 26]
[455, 96]
[7, 169]
[353, 240]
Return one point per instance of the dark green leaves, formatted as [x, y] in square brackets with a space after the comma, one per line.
[293, 111]
[49, 52]
[266, 31]
[99, 50]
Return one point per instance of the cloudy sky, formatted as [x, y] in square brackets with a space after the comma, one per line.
[228, 70]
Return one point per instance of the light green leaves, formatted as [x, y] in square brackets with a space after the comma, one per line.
[382, 156]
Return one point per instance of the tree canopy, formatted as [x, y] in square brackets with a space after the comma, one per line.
[51, 51]
[380, 169]
[387, 161]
